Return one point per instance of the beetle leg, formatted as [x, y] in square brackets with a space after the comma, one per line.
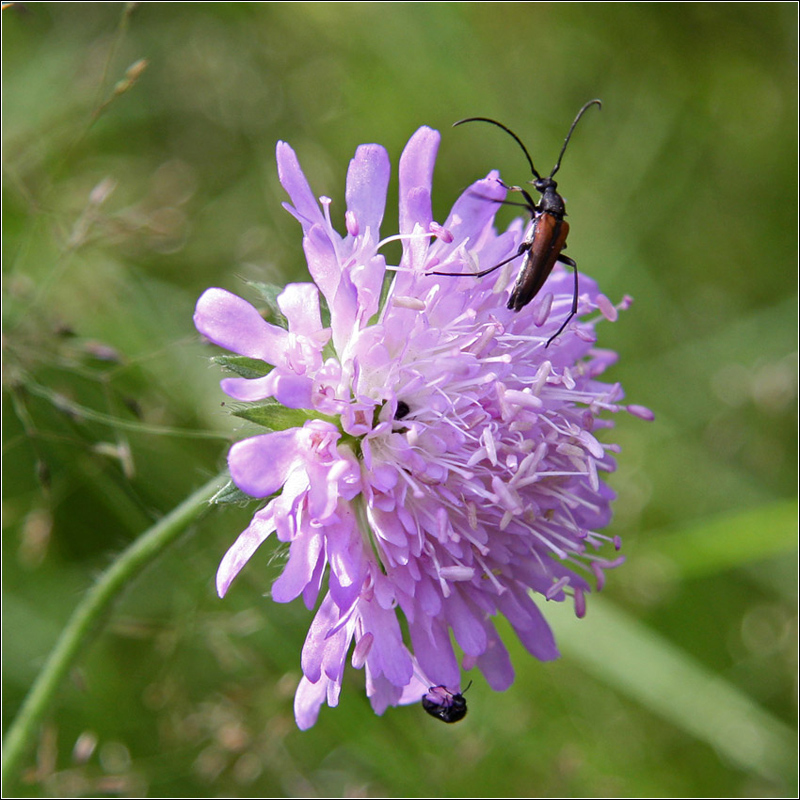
[574, 310]
[506, 202]
[520, 250]
[529, 203]
[524, 192]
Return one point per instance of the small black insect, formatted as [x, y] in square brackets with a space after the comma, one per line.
[547, 236]
[402, 409]
[445, 705]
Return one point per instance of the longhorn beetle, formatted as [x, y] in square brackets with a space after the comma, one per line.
[547, 236]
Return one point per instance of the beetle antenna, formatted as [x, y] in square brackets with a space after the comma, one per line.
[572, 128]
[514, 135]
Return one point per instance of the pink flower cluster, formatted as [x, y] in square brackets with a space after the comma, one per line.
[448, 465]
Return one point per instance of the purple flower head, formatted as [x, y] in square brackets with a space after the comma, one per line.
[427, 453]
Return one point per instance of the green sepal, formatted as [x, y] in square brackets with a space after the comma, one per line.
[268, 293]
[231, 494]
[244, 366]
[324, 311]
[272, 415]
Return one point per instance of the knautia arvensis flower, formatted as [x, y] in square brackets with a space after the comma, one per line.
[428, 456]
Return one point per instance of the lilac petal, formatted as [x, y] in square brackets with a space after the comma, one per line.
[292, 391]
[367, 182]
[312, 590]
[344, 311]
[368, 277]
[309, 697]
[413, 691]
[323, 496]
[346, 557]
[323, 263]
[260, 465]
[429, 599]
[388, 527]
[308, 700]
[343, 594]
[416, 178]
[475, 209]
[361, 650]
[435, 653]
[299, 303]
[326, 644]
[529, 624]
[243, 548]
[234, 324]
[388, 655]
[495, 663]
[304, 556]
[466, 622]
[305, 208]
[381, 692]
[418, 209]
[384, 478]
[248, 389]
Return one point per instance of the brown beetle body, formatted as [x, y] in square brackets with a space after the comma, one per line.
[543, 246]
[547, 236]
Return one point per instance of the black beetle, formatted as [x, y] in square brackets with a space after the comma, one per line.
[445, 705]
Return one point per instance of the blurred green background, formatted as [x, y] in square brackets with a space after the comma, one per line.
[121, 205]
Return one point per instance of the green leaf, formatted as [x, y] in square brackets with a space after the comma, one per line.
[272, 415]
[728, 540]
[231, 494]
[643, 665]
[324, 312]
[268, 292]
[243, 366]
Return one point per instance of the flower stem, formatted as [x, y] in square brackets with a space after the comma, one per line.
[81, 625]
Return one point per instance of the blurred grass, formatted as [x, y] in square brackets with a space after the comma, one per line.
[681, 192]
